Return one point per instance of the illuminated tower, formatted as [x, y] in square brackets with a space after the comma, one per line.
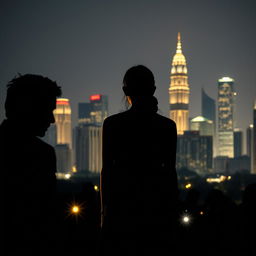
[88, 133]
[179, 90]
[62, 115]
[226, 99]
[99, 111]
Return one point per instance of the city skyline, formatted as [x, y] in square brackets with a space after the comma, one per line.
[87, 47]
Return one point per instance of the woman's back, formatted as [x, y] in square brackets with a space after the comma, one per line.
[140, 160]
[138, 179]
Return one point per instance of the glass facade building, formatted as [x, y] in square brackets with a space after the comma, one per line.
[226, 98]
[88, 133]
[194, 152]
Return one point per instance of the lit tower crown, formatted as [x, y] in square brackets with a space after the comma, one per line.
[62, 115]
[179, 90]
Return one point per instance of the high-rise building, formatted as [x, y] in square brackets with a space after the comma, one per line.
[249, 140]
[84, 112]
[238, 142]
[221, 165]
[194, 152]
[63, 129]
[229, 166]
[89, 148]
[208, 108]
[203, 125]
[99, 108]
[254, 141]
[95, 111]
[63, 157]
[62, 115]
[88, 133]
[179, 90]
[226, 97]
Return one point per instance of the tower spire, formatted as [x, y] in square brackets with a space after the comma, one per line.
[179, 50]
[179, 90]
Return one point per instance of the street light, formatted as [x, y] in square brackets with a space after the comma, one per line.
[75, 209]
[185, 218]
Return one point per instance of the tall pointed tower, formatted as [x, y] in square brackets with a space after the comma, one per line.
[179, 90]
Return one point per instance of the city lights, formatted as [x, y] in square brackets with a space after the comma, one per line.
[188, 186]
[185, 219]
[67, 176]
[218, 179]
[74, 170]
[76, 209]
[63, 176]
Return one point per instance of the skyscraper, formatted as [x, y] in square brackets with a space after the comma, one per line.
[89, 148]
[249, 140]
[84, 112]
[179, 90]
[238, 142]
[194, 151]
[226, 97]
[208, 108]
[63, 130]
[203, 125]
[88, 133]
[63, 156]
[99, 108]
[62, 115]
[95, 111]
[254, 140]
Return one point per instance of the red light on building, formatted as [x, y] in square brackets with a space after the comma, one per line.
[95, 97]
[62, 102]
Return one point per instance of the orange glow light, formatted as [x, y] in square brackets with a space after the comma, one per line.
[62, 102]
[95, 97]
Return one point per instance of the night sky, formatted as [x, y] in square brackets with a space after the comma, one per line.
[86, 46]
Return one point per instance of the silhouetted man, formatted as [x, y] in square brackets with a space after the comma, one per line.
[28, 165]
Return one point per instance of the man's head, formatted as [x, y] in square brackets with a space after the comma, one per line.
[30, 102]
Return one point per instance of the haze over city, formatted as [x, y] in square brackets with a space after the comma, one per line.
[86, 46]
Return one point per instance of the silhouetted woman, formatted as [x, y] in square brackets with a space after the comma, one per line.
[138, 178]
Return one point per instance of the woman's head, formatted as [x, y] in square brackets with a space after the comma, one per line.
[138, 81]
